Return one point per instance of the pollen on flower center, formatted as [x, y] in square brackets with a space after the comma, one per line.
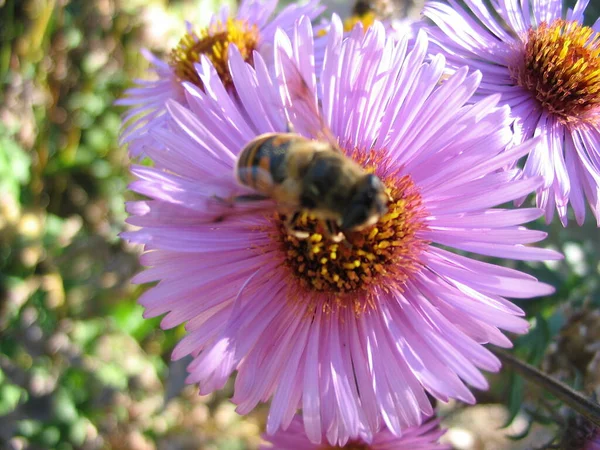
[367, 19]
[561, 68]
[214, 42]
[382, 256]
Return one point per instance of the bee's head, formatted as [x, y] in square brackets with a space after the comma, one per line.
[367, 205]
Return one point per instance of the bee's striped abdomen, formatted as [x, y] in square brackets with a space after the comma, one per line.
[262, 159]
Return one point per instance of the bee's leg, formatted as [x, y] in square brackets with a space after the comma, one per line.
[333, 232]
[289, 227]
[290, 127]
[240, 198]
[247, 198]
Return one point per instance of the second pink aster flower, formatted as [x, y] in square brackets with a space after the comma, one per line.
[424, 437]
[546, 65]
[251, 30]
[355, 335]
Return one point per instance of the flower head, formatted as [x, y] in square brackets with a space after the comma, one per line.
[546, 66]
[424, 437]
[396, 23]
[362, 15]
[579, 433]
[251, 30]
[594, 442]
[354, 333]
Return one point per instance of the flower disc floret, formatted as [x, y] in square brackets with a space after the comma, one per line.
[214, 42]
[545, 64]
[366, 19]
[251, 29]
[382, 256]
[561, 67]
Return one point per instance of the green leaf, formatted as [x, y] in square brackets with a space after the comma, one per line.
[515, 398]
[28, 427]
[50, 436]
[113, 375]
[73, 37]
[10, 396]
[232, 444]
[85, 332]
[78, 431]
[99, 140]
[14, 165]
[129, 319]
[541, 340]
[65, 409]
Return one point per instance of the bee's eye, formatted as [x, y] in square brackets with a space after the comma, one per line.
[373, 184]
[373, 181]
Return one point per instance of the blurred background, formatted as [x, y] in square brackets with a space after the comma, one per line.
[79, 366]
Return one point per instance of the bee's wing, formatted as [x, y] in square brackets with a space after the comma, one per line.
[240, 207]
[242, 201]
[303, 101]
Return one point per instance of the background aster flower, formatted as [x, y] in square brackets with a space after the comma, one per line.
[251, 29]
[354, 335]
[593, 443]
[579, 433]
[546, 66]
[424, 437]
[396, 23]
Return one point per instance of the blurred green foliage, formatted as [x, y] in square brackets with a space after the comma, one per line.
[79, 365]
[80, 368]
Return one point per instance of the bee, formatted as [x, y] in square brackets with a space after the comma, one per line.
[380, 8]
[303, 175]
[388, 9]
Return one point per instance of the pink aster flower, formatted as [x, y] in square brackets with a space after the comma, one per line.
[424, 437]
[250, 30]
[580, 433]
[593, 443]
[355, 335]
[546, 66]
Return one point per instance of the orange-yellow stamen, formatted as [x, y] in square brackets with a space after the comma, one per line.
[367, 19]
[561, 68]
[214, 42]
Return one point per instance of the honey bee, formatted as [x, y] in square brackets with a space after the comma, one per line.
[314, 176]
[388, 9]
[380, 8]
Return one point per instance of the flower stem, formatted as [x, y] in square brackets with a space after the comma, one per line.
[574, 399]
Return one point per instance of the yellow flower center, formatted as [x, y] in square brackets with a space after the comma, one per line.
[561, 68]
[382, 256]
[366, 19]
[214, 42]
